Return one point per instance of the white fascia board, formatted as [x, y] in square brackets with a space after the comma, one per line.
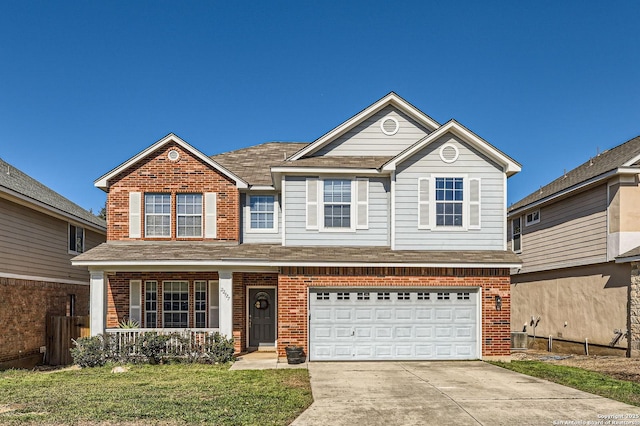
[31, 203]
[262, 188]
[196, 264]
[323, 170]
[43, 279]
[390, 99]
[103, 181]
[509, 165]
[575, 188]
[628, 259]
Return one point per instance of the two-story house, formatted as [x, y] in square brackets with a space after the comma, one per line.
[383, 239]
[574, 237]
[40, 231]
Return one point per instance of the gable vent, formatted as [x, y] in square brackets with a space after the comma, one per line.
[449, 153]
[173, 155]
[389, 126]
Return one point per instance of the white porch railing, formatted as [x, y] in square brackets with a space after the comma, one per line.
[182, 341]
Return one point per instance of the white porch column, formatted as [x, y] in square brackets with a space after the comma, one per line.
[225, 280]
[97, 308]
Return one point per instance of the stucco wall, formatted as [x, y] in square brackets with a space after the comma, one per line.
[573, 303]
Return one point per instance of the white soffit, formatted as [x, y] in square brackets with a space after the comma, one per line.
[390, 99]
[511, 167]
[103, 181]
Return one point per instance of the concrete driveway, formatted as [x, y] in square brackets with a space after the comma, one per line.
[448, 393]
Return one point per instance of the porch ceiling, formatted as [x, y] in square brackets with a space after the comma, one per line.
[231, 254]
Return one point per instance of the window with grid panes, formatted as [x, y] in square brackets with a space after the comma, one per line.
[175, 304]
[151, 304]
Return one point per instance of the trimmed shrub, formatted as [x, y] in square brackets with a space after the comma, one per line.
[153, 346]
[90, 351]
[218, 349]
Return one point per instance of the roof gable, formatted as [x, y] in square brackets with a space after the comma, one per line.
[391, 99]
[509, 165]
[103, 181]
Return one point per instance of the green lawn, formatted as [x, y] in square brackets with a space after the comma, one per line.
[577, 378]
[161, 394]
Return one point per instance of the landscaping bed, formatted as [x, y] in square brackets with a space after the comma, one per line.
[158, 394]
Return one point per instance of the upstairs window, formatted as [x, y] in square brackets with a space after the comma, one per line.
[262, 213]
[516, 234]
[157, 215]
[532, 218]
[76, 239]
[449, 201]
[337, 203]
[189, 215]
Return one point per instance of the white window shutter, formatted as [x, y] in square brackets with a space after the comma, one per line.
[424, 207]
[135, 300]
[312, 203]
[474, 203]
[134, 214]
[362, 205]
[210, 215]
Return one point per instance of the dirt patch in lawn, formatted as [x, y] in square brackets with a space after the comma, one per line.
[617, 367]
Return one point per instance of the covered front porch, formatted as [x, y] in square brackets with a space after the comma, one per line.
[236, 303]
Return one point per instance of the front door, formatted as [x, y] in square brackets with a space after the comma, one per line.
[262, 317]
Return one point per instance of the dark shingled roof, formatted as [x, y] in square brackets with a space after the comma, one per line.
[350, 162]
[14, 180]
[603, 163]
[228, 252]
[253, 164]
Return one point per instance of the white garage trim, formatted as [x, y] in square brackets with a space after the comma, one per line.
[363, 324]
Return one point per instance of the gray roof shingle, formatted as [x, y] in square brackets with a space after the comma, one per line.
[350, 162]
[15, 180]
[602, 163]
[198, 252]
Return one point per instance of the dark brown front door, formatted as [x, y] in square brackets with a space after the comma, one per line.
[262, 316]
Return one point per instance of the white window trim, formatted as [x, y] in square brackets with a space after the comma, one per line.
[144, 202]
[434, 202]
[533, 222]
[144, 303]
[202, 219]
[512, 235]
[161, 300]
[206, 303]
[353, 205]
[247, 207]
[84, 236]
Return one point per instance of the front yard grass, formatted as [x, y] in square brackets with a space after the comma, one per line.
[578, 378]
[160, 394]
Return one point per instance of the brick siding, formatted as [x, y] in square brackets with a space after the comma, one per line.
[157, 174]
[24, 308]
[293, 284]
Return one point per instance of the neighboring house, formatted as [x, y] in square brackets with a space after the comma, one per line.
[573, 236]
[40, 231]
[383, 239]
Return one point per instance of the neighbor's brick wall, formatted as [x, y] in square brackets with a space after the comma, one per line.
[24, 308]
[156, 173]
[293, 284]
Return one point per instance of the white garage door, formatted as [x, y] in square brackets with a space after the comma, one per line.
[393, 324]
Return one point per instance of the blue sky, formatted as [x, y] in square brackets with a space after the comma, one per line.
[85, 85]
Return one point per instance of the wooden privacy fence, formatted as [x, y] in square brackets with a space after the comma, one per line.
[60, 332]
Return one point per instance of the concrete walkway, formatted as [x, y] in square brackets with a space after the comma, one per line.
[448, 393]
[262, 361]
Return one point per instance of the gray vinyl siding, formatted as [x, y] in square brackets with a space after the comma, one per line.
[295, 218]
[571, 232]
[35, 244]
[471, 163]
[262, 237]
[368, 139]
